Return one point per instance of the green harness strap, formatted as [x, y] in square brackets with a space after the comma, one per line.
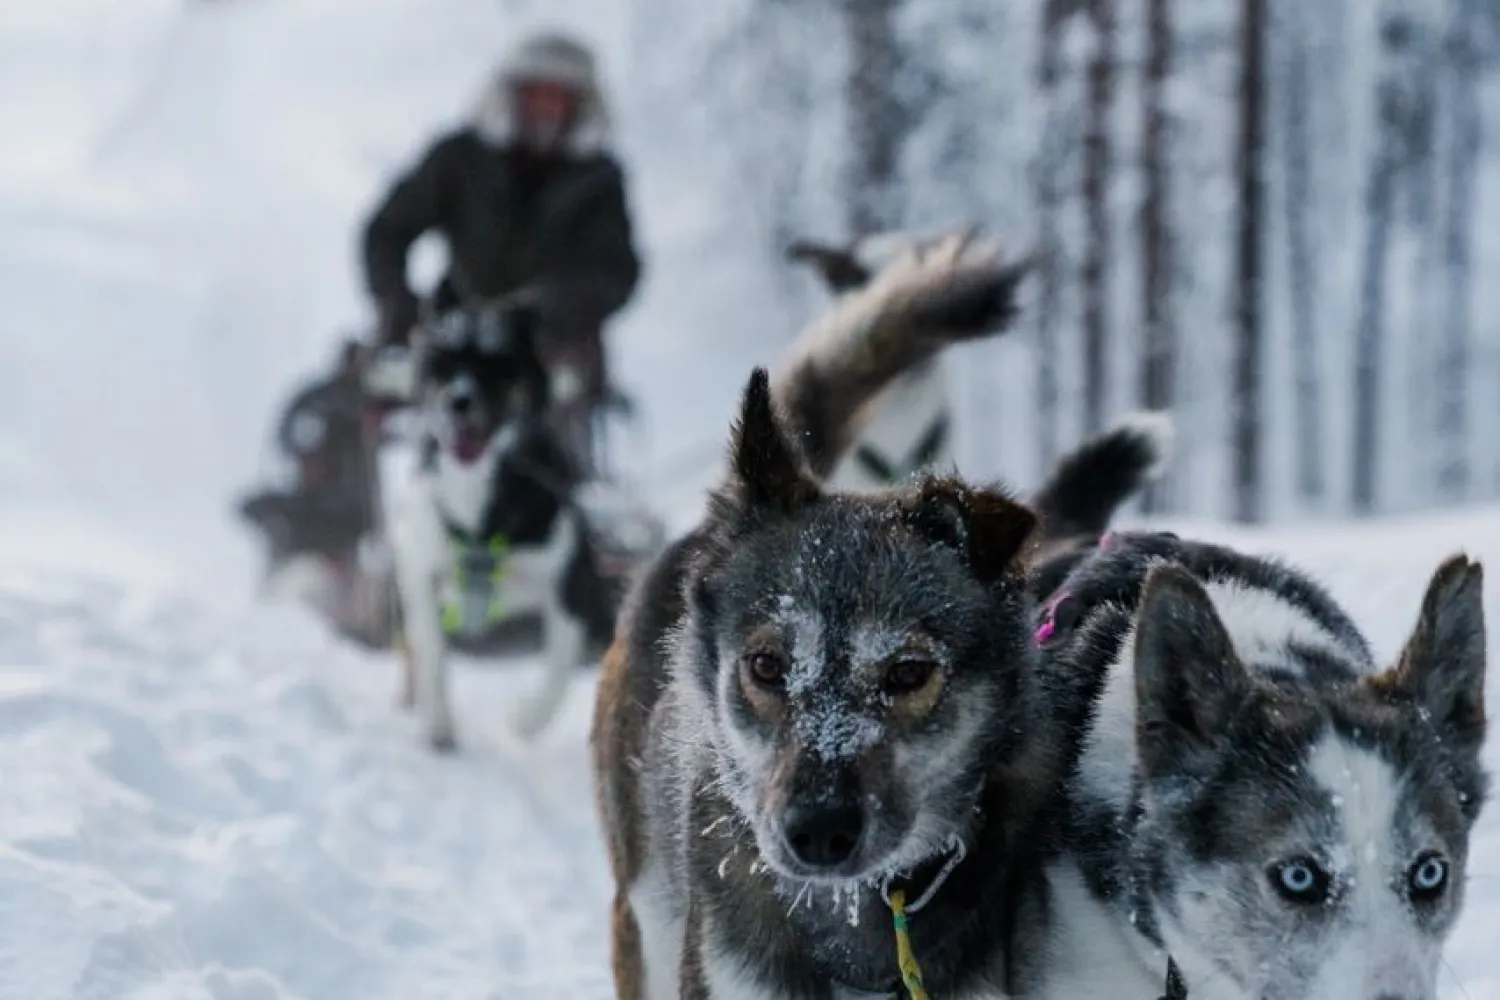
[475, 599]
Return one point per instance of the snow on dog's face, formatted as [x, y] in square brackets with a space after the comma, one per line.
[479, 371]
[860, 659]
[1302, 839]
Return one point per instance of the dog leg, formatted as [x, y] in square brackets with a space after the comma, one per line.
[407, 697]
[431, 663]
[419, 550]
[428, 660]
[562, 655]
[628, 963]
[693, 973]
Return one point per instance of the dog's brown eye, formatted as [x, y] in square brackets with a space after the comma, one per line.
[906, 676]
[768, 669]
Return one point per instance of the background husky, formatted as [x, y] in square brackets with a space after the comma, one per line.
[489, 530]
[786, 721]
[1254, 796]
[910, 428]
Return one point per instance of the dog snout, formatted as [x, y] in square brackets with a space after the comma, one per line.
[461, 402]
[824, 834]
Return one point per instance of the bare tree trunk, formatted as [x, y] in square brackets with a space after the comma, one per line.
[1158, 363]
[877, 120]
[1369, 339]
[1302, 254]
[1246, 417]
[1051, 262]
[1465, 125]
[1422, 234]
[1097, 167]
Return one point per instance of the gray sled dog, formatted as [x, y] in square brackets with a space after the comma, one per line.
[1257, 810]
[817, 702]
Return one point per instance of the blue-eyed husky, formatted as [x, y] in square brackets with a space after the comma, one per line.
[1259, 810]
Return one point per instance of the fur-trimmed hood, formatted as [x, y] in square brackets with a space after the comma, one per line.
[553, 57]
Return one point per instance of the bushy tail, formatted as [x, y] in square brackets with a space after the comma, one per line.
[955, 290]
[1089, 485]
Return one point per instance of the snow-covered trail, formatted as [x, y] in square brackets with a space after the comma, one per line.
[199, 804]
[203, 807]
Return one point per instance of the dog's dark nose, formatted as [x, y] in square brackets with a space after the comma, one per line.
[823, 835]
[461, 403]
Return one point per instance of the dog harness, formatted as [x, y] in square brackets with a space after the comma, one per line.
[473, 599]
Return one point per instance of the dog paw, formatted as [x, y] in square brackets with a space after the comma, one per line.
[528, 722]
[442, 742]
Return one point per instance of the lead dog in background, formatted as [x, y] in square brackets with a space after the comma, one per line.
[1258, 809]
[490, 527]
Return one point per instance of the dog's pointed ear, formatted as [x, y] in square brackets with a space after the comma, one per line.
[1443, 664]
[987, 526]
[766, 470]
[1189, 683]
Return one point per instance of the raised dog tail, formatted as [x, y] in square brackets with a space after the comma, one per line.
[1089, 484]
[958, 289]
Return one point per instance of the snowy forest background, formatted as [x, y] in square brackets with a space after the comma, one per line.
[182, 183]
[1267, 215]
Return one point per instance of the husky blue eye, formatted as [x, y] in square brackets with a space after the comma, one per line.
[1428, 876]
[1301, 880]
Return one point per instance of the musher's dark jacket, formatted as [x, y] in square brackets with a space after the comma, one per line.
[561, 227]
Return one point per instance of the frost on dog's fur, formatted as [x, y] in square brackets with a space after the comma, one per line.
[848, 686]
[1296, 820]
[833, 587]
[859, 660]
[1361, 786]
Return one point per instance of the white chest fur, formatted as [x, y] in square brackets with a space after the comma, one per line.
[529, 579]
[1091, 952]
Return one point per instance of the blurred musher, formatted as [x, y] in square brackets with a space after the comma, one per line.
[532, 205]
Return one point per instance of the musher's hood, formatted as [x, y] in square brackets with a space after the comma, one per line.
[555, 58]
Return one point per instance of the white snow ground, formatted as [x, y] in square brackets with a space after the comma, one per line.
[203, 804]
[205, 799]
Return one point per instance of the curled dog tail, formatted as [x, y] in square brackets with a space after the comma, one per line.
[955, 290]
[1089, 485]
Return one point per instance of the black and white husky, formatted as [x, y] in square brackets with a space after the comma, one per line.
[1258, 807]
[489, 530]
